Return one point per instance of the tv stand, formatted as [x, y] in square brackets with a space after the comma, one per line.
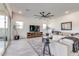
[34, 34]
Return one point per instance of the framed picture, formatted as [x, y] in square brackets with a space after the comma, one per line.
[66, 26]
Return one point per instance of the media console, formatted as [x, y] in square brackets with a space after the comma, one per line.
[34, 34]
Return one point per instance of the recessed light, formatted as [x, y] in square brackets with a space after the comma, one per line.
[66, 12]
[20, 12]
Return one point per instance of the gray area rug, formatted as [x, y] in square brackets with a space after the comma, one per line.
[37, 45]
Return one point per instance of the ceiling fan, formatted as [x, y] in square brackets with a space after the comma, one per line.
[44, 15]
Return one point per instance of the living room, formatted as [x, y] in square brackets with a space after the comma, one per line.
[31, 21]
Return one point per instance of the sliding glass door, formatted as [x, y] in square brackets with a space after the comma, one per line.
[4, 29]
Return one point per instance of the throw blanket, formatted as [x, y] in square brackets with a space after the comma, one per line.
[76, 43]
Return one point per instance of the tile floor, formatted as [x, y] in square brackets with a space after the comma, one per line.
[25, 47]
[20, 48]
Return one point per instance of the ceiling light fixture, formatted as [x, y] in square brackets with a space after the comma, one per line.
[20, 12]
[66, 12]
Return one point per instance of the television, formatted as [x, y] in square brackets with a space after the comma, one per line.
[34, 28]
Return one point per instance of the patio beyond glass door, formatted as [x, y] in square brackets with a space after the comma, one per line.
[2, 33]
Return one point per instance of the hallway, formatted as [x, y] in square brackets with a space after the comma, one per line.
[20, 48]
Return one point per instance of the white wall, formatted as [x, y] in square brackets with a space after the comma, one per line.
[54, 23]
[27, 21]
[74, 17]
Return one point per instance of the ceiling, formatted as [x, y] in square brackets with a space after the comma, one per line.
[57, 9]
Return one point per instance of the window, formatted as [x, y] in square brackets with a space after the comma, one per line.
[19, 24]
[44, 26]
[3, 21]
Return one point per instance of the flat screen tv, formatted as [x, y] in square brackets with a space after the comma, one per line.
[34, 28]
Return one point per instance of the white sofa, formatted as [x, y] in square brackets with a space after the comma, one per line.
[60, 47]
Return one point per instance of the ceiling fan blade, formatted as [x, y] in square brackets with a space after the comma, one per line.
[42, 13]
[40, 18]
[48, 14]
[51, 15]
[36, 15]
